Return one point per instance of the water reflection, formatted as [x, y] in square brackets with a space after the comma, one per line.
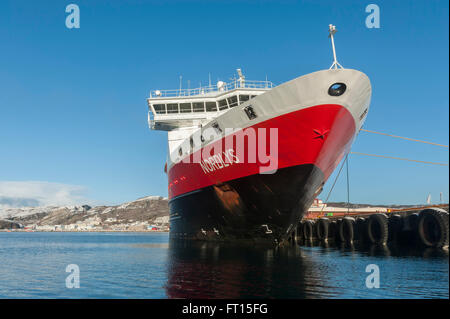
[379, 250]
[212, 270]
[209, 270]
[147, 265]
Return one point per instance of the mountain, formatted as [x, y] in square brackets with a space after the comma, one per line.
[136, 215]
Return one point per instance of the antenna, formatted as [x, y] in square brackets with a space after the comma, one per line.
[181, 77]
[239, 72]
[209, 76]
[332, 30]
[241, 77]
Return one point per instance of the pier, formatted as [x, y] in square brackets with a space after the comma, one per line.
[418, 227]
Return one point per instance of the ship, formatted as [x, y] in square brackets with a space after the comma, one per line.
[246, 159]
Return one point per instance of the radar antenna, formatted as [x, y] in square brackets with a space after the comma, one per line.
[332, 30]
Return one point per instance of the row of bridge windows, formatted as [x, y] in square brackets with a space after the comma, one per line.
[220, 105]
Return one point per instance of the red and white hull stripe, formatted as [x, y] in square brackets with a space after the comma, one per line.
[319, 135]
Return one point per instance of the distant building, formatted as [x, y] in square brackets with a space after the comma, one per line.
[318, 203]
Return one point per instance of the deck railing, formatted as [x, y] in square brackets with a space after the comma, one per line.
[202, 91]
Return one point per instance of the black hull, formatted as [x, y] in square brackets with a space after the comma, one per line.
[258, 208]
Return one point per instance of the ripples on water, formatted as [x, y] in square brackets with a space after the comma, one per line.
[145, 265]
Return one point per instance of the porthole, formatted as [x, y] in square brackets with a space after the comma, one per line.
[337, 89]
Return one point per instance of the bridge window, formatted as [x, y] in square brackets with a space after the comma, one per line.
[252, 96]
[160, 108]
[243, 98]
[223, 105]
[198, 106]
[211, 107]
[172, 108]
[233, 101]
[185, 108]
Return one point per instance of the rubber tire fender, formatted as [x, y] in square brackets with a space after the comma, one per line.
[332, 230]
[382, 221]
[308, 227]
[395, 224]
[440, 217]
[360, 223]
[299, 232]
[322, 223]
[336, 234]
[349, 224]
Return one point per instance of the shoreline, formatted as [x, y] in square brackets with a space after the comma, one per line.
[81, 231]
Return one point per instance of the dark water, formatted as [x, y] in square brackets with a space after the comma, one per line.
[145, 265]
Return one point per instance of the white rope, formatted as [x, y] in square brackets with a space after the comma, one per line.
[399, 158]
[405, 138]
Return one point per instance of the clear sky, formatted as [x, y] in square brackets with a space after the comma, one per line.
[73, 113]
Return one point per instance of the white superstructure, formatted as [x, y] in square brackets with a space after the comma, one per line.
[182, 112]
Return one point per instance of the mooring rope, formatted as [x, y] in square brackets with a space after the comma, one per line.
[334, 183]
[405, 138]
[345, 162]
[399, 158]
[348, 188]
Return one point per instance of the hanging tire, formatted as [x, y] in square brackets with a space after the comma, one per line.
[337, 238]
[299, 232]
[395, 225]
[322, 228]
[332, 230]
[409, 232]
[413, 221]
[308, 228]
[377, 229]
[346, 230]
[360, 225]
[432, 227]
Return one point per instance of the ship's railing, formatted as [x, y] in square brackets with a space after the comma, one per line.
[237, 84]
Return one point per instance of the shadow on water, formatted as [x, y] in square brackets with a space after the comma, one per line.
[212, 270]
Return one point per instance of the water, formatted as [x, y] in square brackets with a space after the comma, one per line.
[145, 265]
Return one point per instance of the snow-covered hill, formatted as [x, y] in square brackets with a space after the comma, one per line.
[143, 210]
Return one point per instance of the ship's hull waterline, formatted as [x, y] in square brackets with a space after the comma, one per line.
[243, 201]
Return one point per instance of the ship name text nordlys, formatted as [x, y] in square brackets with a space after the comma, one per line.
[216, 161]
[259, 146]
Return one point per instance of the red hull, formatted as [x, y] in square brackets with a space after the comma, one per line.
[318, 135]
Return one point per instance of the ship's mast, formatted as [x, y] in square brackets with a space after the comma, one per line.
[332, 30]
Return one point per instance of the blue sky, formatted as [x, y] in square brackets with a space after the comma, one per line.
[72, 101]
